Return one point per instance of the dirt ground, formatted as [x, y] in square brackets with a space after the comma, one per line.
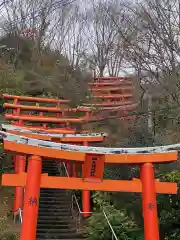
[8, 229]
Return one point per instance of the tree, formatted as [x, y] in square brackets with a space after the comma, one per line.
[35, 19]
[153, 46]
[75, 47]
[101, 33]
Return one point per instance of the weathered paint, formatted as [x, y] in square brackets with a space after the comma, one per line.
[87, 149]
[23, 130]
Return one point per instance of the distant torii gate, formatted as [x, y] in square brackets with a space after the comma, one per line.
[114, 93]
[61, 115]
[94, 159]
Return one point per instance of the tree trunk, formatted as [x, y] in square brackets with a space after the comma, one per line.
[101, 71]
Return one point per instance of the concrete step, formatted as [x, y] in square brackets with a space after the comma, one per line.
[59, 235]
[57, 230]
[55, 221]
[55, 225]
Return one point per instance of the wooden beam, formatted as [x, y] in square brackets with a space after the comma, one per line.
[44, 119]
[30, 146]
[112, 96]
[48, 152]
[22, 129]
[70, 139]
[106, 88]
[46, 109]
[34, 99]
[16, 180]
[114, 103]
[49, 130]
[109, 83]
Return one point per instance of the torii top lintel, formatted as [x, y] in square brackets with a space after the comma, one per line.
[110, 83]
[112, 78]
[38, 129]
[47, 109]
[34, 99]
[110, 88]
[56, 110]
[29, 146]
[70, 138]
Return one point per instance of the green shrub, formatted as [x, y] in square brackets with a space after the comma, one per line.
[123, 225]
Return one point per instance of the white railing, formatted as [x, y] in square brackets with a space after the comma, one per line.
[114, 236]
[74, 199]
[19, 211]
[73, 195]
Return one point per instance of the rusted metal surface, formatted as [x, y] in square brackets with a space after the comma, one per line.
[5, 127]
[87, 149]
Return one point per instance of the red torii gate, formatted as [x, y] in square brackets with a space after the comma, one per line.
[77, 139]
[92, 157]
[59, 117]
[134, 185]
[56, 114]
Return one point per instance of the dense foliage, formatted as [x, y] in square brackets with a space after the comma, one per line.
[123, 224]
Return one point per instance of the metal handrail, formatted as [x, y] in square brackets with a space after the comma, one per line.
[74, 196]
[20, 214]
[112, 230]
[114, 236]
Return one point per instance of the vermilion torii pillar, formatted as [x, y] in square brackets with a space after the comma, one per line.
[19, 167]
[20, 164]
[86, 197]
[151, 228]
[31, 199]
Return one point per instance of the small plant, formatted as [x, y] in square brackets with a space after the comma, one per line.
[5, 234]
[9, 236]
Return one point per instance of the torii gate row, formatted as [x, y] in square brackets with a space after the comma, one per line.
[20, 161]
[91, 114]
[57, 102]
[85, 109]
[88, 110]
[97, 113]
[94, 159]
[17, 110]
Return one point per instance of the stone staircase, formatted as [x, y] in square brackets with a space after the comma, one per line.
[55, 219]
